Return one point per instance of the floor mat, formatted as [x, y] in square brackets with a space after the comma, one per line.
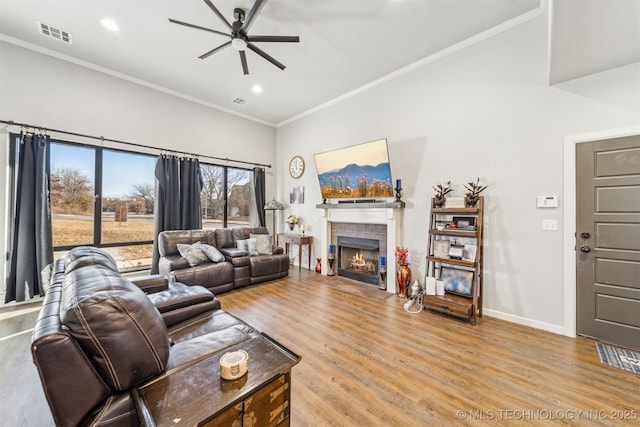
[619, 358]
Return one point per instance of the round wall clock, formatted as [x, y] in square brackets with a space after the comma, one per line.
[296, 167]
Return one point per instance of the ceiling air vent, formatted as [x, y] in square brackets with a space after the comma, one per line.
[239, 101]
[53, 32]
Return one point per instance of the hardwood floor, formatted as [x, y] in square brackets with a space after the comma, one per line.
[366, 361]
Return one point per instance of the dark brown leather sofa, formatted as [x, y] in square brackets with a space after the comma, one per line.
[99, 336]
[239, 268]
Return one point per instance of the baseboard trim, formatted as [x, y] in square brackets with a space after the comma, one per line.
[556, 329]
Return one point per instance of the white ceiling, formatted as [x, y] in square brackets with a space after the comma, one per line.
[344, 44]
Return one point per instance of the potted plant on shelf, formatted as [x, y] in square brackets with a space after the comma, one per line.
[472, 192]
[403, 274]
[292, 220]
[441, 192]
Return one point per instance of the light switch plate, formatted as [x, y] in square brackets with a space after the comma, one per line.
[550, 224]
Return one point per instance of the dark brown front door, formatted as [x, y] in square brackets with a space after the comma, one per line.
[608, 240]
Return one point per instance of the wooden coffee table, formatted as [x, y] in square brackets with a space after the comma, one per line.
[197, 395]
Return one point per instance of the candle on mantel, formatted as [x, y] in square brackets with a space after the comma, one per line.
[383, 261]
[398, 183]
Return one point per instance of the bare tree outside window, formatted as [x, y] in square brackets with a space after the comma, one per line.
[71, 191]
[145, 193]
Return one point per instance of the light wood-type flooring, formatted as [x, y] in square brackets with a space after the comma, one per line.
[367, 362]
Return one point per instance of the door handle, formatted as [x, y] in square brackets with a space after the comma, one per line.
[585, 235]
[585, 248]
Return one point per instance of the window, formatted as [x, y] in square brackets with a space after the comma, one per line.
[72, 190]
[238, 198]
[128, 194]
[104, 198]
[212, 196]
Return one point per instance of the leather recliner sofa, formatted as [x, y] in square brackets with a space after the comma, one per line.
[239, 269]
[99, 336]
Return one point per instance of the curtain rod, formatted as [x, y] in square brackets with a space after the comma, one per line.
[101, 138]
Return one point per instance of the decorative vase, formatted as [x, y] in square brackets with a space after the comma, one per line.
[403, 279]
[471, 201]
[439, 201]
[291, 225]
[318, 265]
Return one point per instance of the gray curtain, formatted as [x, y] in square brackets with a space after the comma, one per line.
[190, 187]
[167, 205]
[31, 251]
[258, 184]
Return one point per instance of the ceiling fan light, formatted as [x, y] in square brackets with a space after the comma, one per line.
[239, 44]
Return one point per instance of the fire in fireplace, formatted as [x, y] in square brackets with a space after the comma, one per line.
[358, 259]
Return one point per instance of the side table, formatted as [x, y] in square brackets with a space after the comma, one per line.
[196, 395]
[296, 239]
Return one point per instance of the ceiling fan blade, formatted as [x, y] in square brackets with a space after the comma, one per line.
[197, 27]
[217, 12]
[212, 51]
[243, 59]
[253, 13]
[287, 39]
[266, 56]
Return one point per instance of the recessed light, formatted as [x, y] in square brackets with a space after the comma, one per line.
[109, 24]
[257, 89]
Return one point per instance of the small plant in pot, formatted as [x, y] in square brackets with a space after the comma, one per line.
[472, 192]
[441, 190]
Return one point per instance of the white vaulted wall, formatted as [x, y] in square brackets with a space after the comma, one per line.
[484, 111]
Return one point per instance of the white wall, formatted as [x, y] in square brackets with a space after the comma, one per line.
[485, 111]
[46, 91]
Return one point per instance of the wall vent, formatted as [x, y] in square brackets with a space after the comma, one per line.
[53, 32]
[239, 101]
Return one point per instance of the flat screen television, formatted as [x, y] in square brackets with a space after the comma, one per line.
[357, 172]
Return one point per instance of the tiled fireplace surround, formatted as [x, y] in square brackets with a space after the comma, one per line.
[379, 221]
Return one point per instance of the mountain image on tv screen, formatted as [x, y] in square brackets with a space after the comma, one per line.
[359, 171]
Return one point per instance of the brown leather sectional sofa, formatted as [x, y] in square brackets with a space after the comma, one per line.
[99, 336]
[239, 269]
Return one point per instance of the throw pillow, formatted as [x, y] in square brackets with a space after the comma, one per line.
[251, 247]
[242, 244]
[248, 245]
[264, 244]
[211, 252]
[192, 253]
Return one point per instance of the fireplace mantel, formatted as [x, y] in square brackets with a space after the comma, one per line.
[370, 205]
[389, 214]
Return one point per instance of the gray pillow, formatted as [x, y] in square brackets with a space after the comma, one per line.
[192, 253]
[264, 243]
[242, 244]
[248, 245]
[211, 252]
[251, 247]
